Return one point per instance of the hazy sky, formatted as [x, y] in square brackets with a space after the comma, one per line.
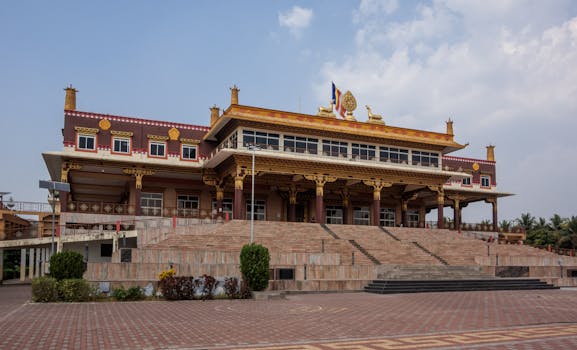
[504, 71]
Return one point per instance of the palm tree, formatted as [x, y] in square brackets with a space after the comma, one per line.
[505, 225]
[526, 221]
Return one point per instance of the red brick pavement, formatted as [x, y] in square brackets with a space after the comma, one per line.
[337, 319]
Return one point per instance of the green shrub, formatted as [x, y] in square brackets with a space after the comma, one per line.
[254, 265]
[132, 293]
[67, 265]
[44, 289]
[74, 290]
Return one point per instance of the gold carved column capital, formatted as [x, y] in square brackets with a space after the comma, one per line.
[217, 183]
[377, 186]
[66, 167]
[292, 194]
[138, 174]
[320, 180]
[346, 196]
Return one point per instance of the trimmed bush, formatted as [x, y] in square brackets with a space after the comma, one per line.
[74, 290]
[44, 289]
[254, 265]
[132, 293]
[67, 265]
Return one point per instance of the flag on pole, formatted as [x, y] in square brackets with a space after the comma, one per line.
[337, 101]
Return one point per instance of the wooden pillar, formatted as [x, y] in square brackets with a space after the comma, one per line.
[495, 216]
[1, 264]
[292, 204]
[320, 181]
[457, 214]
[377, 186]
[238, 191]
[440, 206]
[404, 216]
[320, 205]
[64, 201]
[137, 200]
[219, 199]
[22, 264]
[31, 264]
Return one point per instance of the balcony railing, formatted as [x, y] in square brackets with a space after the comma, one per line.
[125, 209]
[101, 208]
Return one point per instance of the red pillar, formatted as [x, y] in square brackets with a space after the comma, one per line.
[238, 187]
[495, 217]
[404, 216]
[63, 202]
[137, 197]
[377, 212]
[292, 205]
[320, 205]
[440, 205]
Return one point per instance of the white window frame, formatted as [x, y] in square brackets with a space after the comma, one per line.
[262, 139]
[363, 151]
[399, 152]
[334, 214]
[121, 139]
[157, 143]
[227, 207]
[86, 136]
[361, 216]
[417, 157]
[487, 178]
[187, 205]
[189, 146]
[259, 209]
[149, 204]
[387, 217]
[335, 148]
[290, 143]
[466, 181]
[413, 217]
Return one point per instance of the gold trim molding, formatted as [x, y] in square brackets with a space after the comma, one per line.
[84, 130]
[138, 174]
[122, 133]
[190, 141]
[157, 137]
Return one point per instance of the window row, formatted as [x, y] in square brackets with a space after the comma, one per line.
[485, 181]
[333, 148]
[123, 145]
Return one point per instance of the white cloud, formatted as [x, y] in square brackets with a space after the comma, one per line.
[497, 68]
[296, 19]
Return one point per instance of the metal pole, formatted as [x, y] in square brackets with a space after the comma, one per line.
[252, 199]
[53, 219]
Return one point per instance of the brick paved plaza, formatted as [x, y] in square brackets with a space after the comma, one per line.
[479, 320]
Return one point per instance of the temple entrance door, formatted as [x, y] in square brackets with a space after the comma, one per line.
[300, 213]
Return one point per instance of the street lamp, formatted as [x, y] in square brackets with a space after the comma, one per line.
[253, 148]
[54, 188]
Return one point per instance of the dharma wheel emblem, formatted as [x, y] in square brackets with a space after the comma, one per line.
[350, 104]
[173, 134]
[104, 124]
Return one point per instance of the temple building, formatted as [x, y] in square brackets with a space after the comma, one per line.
[305, 168]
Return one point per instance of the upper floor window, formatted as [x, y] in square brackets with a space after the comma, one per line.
[335, 148]
[263, 140]
[259, 210]
[187, 205]
[157, 149]
[485, 181]
[466, 181]
[188, 152]
[121, 145]
[361, 151]
[300, 144]
[425, 158]
[86, 142]
[394, 155]
[151, 204]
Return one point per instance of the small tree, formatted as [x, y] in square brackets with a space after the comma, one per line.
[65, 265]
[254, 265]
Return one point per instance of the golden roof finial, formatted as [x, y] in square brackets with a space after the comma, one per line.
[449, 127]
[491, 153]
[234, 95]
[214, 112]
[70, 100]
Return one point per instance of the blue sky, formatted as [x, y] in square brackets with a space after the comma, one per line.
[504, 71]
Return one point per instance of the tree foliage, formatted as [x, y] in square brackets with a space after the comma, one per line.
[67, 265]
[557, 232]
[254, 265]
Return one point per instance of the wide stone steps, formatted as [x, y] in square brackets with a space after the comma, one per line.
[431, 272]
[428, 286]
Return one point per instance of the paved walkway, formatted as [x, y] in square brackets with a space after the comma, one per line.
[470, 320]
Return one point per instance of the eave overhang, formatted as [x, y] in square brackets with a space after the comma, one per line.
[308, 121]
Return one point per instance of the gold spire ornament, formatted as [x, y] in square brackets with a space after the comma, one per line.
[350, 104]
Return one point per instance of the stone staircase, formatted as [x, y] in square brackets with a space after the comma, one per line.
[427, 272]
[424, 286]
